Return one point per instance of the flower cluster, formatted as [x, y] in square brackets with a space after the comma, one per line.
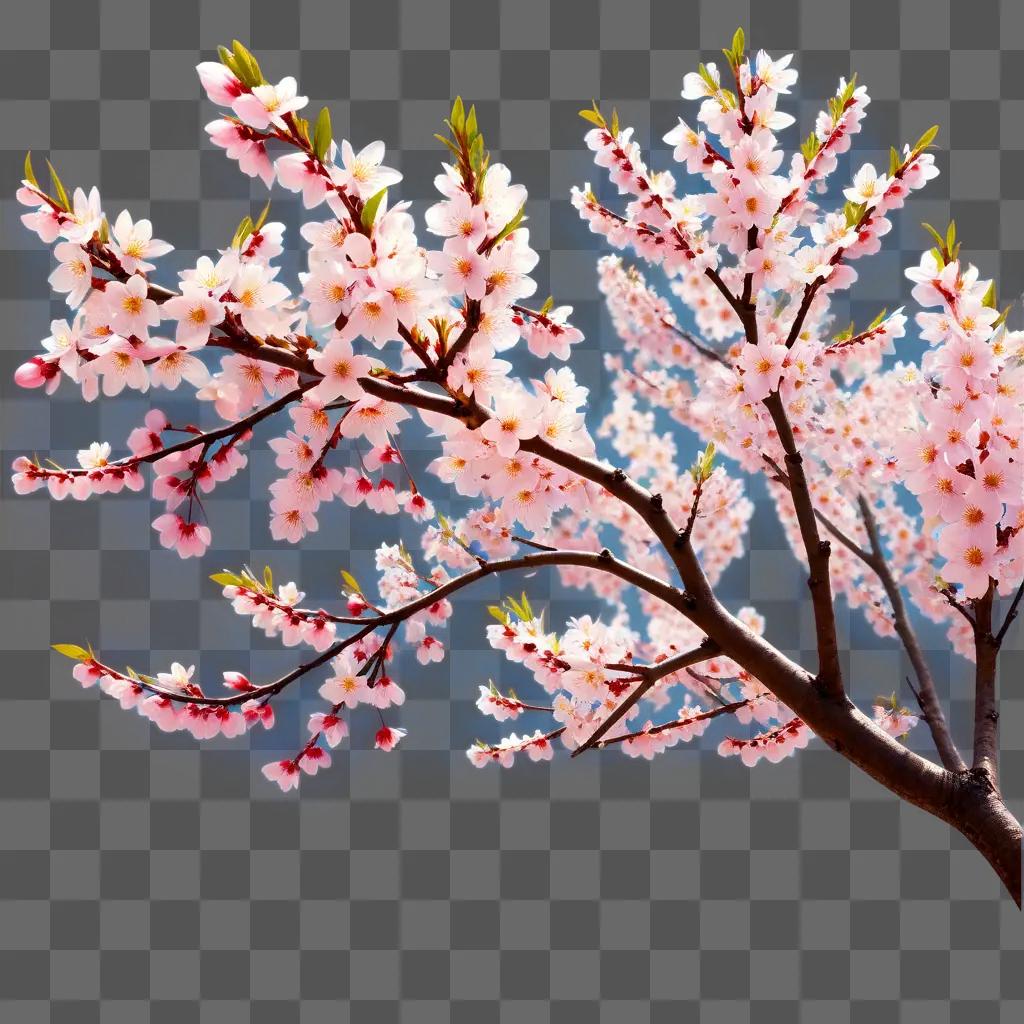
[385, 333]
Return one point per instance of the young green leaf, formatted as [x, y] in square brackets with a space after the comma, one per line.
[30, 175]
[351, 582]
[227, 579]
[248, 67]
[72, 651]
[322, 134]
[369, 214]
[58, 188]
[739, 43]
[594, 116]
[268, 578]
[940, 241]
[458, 115]
[927, 139]
[510, 227]
[262, 219]
[242, 232]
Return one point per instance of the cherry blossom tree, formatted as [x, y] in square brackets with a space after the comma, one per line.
[899, 484]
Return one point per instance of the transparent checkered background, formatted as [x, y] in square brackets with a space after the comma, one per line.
[142, 879]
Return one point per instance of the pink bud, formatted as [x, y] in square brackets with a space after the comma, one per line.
[35, 373]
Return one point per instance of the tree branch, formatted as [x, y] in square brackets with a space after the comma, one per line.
[818, 551]
[722, 709]
[700, 346]
[927, 698]
[649, 676]
[986, 713]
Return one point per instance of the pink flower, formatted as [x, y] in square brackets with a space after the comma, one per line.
[129, 308]
[970, 559]
[74, 275]
[268, 104]
[361, 173]
[298, 173]
[384, 693]
[188, 539]
[373, 419]
[388, 738]
[762, 368]
[256, 713]
[256, 294]
[312, 759]
[221, 86]
[134, 243]
[251, 154]
[285, 773]
[463, 270]
[331, 726]
[341, 369]
[196, 312]
[515, 419]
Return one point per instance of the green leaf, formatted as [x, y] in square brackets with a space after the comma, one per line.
[549, 304]
[938, 238]
[30, 175]
[951, 235]
[510, 227]
[227, 579]
[526, 605]
[878, 319]
[268, 578]
[369, 214]
[242, 232]
[302, 127]
[1001, 319]
[476, 153]
[615, 122]
[927, 139]
[702, 469]
[448, 142]
[322, 134]
[458, 115]
[894, 161]
[739, 43]
[990, 296]
[351, 582]
[248, 67]
[58, 187]
[471, 128]
[594, 117]
[72, 651]
[262, 219]
[810, 146]
[498, 614]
